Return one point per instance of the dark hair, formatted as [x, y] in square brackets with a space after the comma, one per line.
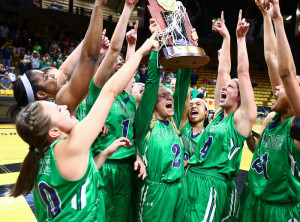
[32, 126]
[20, 93]
[206, 121]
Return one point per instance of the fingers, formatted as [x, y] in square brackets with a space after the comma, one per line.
[153, 36]
[152, 20]
[136, 25]
[104, 32]
[240, 15]
[222, 16]
[136, 164]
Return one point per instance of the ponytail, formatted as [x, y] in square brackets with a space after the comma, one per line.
[27, 176]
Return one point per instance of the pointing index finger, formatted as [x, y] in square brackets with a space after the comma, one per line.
[136, 25]
[240, 15]
[153, 36]
[222, 16]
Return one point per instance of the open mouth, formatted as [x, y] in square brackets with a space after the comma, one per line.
[194, 113]
[142, 90]
[169, 105]
[223, 96]
[276, 96]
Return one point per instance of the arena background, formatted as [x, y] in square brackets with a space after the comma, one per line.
[44, 17]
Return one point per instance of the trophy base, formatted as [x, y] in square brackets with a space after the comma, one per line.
[182, 57]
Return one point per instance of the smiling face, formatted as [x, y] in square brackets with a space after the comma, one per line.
[164, 106]
[197, 111]
[230, 95]
[60, 116]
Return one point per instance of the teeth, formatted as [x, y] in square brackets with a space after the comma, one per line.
[169, 103]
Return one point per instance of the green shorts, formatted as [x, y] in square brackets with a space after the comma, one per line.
[231, 205]
[117, 178]
[162, 202]
[254, 209]
[207, 192]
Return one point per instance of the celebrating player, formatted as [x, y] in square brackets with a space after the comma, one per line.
[272, 189]
[217, 158]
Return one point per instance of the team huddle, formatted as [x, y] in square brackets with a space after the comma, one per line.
[146, 153]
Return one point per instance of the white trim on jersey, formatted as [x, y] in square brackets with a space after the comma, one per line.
[143, 199]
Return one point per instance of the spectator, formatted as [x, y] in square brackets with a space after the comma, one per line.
[4, 32]
[22, 55]
[210, 82]
[35, 60]
[254, 84]
[194, 78]
[2, 71]
[202, 93]
[29, 46]
[24, 66]
[37, 47]
[143, 73]
[6, 55]
[6, 82]
[204, 81]
[173, 84]
[54, 65]
[11, 74]
[59, 61]
[194, 92]
[170, 77]
[28, 56]
[215, 82]
[17, 43]
[43, 63]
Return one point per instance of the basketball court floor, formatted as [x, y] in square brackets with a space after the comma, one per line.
[12, 152]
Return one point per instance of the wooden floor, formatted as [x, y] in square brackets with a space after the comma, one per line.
[12, 152]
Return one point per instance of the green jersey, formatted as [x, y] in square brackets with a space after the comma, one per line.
[119, 122]
[59, 199]
[162, 152]
[274, 175]
[189, 140]
[81, 111]
[220, 147]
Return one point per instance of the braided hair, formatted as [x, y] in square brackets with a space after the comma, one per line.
[32, 126]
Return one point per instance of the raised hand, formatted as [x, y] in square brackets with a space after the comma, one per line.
[131, 36]
[131, 3]
[262, 6]
[151, 44]
[221, 28]
[242, 27]
[194, 35]
[274, 9]
[154, 26]
[105, 43]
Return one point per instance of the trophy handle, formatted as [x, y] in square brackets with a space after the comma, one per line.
[188, 28]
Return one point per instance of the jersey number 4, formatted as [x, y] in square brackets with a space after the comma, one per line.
[260, 165]
[206, 147]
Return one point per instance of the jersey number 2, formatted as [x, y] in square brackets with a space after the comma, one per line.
[176, 149]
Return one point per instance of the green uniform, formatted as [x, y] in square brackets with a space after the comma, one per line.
[81, 111]
[189, 140]
[194, 93]
[272, 189]
[163, 193]
[215, 163]
[117, 170]
[59, 199]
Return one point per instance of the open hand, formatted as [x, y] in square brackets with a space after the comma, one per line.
[242, 27]
[121, 142]
[273, 8]
[105, 43]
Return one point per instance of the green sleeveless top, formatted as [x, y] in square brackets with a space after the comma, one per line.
[274, 175]
[119, 121]
[59, 199]
[220, 147]
[81, 111]
[162, 152]
[189, 140]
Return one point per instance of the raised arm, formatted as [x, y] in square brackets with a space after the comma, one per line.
[144, 112]
[85, 132]
[75, 91]
[106, 67]
[270, 47]
[224, 60]
[185, 113]
[286, 65]
[67, 68]
[246, 114]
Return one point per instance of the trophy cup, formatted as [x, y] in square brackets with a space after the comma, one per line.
[178, 50]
